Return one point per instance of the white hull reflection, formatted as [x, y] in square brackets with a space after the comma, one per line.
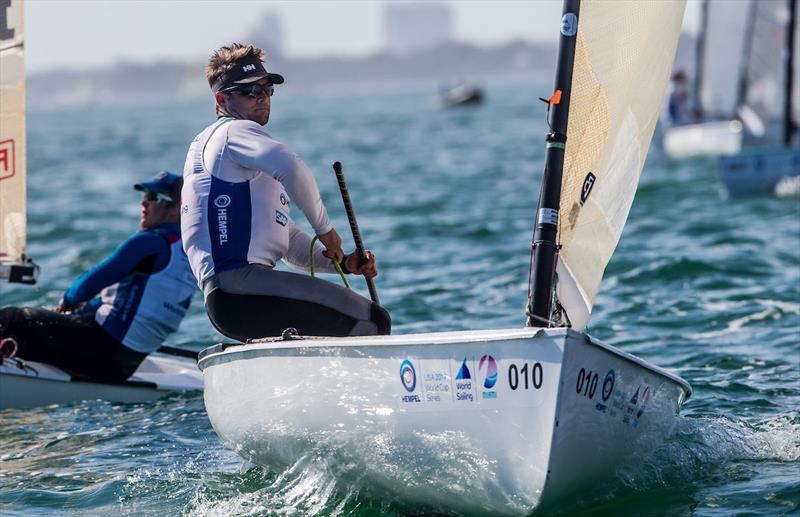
[488, 421]
[25, 384]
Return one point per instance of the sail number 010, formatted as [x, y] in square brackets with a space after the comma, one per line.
[587, 383]
[526, 376]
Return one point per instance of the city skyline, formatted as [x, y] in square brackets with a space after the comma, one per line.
[87, 34]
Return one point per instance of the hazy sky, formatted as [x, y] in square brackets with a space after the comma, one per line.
[89, 33]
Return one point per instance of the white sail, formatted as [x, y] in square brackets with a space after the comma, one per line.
[765, 74]
[12, 132]
[623, 59]
[725, 45]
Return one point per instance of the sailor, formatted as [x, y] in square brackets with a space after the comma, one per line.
[678, 100]
[239, 187]
[122, 309]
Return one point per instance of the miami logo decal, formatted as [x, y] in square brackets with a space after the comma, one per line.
[491, 371]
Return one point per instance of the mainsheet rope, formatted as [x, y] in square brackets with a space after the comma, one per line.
[335, 264]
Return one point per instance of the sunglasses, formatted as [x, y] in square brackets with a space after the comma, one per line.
[154, 197]
[253, 90]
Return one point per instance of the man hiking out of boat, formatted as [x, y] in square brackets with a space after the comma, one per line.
[239, 185]
[144, 287]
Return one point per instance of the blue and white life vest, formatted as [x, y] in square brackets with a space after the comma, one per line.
[144, 308]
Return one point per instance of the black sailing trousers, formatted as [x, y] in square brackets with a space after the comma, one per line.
[75, 343]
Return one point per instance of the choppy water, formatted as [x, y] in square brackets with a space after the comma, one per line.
[703, 285]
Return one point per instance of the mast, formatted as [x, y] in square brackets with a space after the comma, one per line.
[545, 246]
[788, 124]
[744, 64]
[699, 60]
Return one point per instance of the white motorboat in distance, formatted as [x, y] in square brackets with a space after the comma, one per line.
[460, 94]
[25, 384]
[492, 420]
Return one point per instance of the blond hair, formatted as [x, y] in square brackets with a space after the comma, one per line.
[223, 59]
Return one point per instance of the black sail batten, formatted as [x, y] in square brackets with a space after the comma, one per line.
[789, 126]
[545, 244]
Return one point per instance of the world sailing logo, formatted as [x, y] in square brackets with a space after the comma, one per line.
[491, 371]
[463, 372]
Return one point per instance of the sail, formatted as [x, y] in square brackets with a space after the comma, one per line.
[723, 51]
[623, 60]
[12, 132]
[765, 73]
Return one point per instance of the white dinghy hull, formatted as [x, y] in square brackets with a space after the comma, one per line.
[25, 384]
[488, 421]
[703, 139]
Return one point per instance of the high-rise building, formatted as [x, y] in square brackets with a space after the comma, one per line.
[268, 34]
[414, 26]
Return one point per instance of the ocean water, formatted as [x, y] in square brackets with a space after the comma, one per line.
[705, 286]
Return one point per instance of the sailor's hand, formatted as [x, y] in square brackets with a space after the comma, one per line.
[64, 308]
[333, 245]
[369, 268]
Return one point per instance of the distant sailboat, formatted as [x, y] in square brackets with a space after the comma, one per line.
[771, 89]
[717, 128]
[15, 265]
[494, 421]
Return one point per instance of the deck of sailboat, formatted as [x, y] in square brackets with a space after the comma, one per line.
[341, 345]
[25, 384]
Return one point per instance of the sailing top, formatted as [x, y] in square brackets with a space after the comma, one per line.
[678, 100]
[145, 288]
[239, 184]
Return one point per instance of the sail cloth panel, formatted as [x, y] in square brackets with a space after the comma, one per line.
[726, 29]
[12, 133]
[765, 74]
[623, 60]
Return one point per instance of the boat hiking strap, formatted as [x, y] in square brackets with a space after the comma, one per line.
[335, 264]
[8, 348]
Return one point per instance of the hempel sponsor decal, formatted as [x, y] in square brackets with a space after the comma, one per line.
[611, 399]
[408, 378]
[222, 202]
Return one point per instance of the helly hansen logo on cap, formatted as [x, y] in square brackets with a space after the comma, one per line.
[247, 68]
